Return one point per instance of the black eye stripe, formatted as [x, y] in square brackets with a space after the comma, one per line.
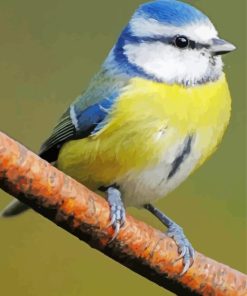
[167, 40]
[190, 43]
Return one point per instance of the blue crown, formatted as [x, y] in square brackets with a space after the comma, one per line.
[170, 12]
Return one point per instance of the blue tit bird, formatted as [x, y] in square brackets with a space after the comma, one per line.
[155, 111]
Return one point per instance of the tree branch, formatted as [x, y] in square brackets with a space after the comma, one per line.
[84, 214]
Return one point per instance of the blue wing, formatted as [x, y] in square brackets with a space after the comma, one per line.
[77, 123]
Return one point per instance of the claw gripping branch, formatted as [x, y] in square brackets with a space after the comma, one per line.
[84, 214]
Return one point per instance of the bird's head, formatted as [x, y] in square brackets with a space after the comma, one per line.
[172, 42]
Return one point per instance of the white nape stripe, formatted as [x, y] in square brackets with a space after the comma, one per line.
[198, 31]
[73, 116]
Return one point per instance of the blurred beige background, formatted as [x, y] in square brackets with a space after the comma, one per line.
[48, 52]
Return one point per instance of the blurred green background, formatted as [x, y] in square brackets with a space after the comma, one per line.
[48, 52]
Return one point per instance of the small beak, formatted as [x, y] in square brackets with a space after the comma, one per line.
[220, 46]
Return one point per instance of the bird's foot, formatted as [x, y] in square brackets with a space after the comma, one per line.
[185, 249]
[118, 214]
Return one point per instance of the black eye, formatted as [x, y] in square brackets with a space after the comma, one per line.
[182, 41]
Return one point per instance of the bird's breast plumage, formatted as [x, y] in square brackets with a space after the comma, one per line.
[154, 136]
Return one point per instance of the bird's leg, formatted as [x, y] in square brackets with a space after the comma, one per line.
[118, 215]
[174, 231]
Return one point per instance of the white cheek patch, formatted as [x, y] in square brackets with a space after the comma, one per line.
[198, 31]
[167, 63]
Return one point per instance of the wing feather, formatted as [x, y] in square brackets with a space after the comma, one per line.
[63, 131]
[77, 124]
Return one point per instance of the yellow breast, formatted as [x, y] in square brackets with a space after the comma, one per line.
[148, 119]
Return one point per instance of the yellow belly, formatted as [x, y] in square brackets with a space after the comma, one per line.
[147, 121]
